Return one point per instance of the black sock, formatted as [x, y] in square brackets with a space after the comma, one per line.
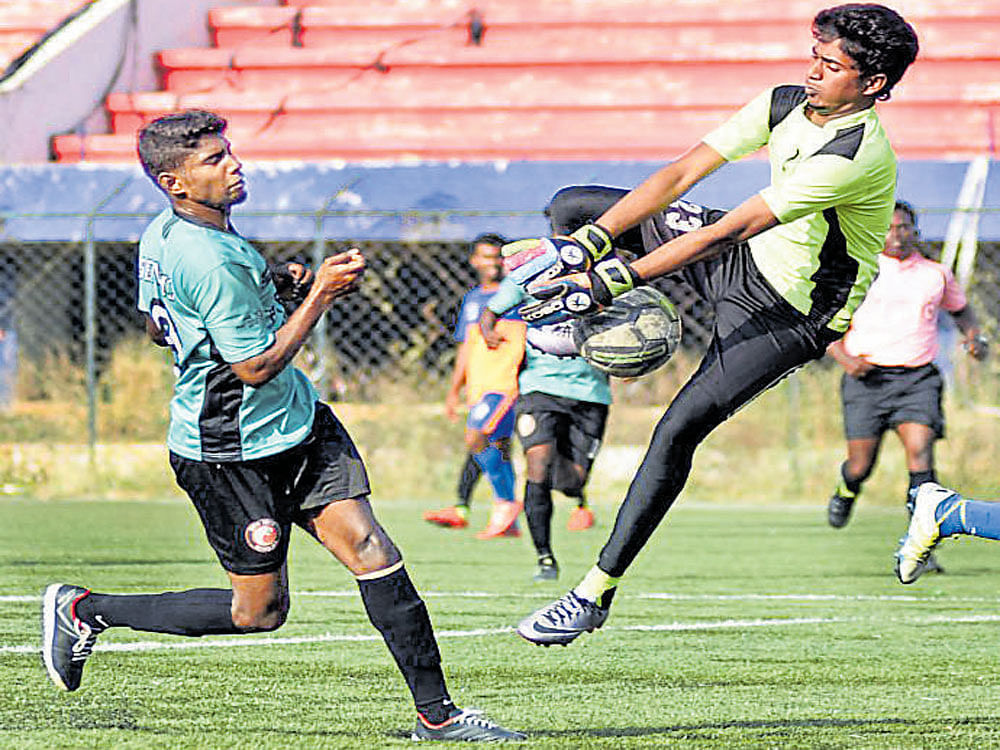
[852, 485]
[397, 612]
[471, 472]
[917, 478]
[576, 493]
[193, 613]
[538, 511]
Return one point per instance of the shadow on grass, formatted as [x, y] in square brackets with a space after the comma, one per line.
[762, 724]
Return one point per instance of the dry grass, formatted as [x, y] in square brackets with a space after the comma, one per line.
[786, 446]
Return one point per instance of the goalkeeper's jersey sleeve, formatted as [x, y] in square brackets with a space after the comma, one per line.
[212, 295]
[832, 190]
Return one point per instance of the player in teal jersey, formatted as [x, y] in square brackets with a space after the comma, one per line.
[783, 271]
[249, 441]
[562, 410]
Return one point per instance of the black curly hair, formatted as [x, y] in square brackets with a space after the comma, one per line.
[164, 143]
[907, 209]
[487, 238]
[876, 38]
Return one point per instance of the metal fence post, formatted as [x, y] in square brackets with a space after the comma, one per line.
[319, 334]
[90, 335]
[792, 436]
[90, 318]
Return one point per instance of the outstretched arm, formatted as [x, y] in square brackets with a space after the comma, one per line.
[750, 218]
[661, 189]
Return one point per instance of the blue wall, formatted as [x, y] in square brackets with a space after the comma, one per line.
[431, 201]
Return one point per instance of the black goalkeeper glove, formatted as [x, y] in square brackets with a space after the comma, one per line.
[581, 293]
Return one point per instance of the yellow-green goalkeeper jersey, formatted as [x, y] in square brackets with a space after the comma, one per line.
[832, 189]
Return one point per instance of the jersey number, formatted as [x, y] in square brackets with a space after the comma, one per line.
[682, 216]
[160, 316]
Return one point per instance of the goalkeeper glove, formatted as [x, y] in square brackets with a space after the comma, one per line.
[595, 240]
[288, 286]
[533, 263]
[581, 293]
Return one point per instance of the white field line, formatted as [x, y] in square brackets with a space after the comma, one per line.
[243, 642]
[240, 641]
[351, 593]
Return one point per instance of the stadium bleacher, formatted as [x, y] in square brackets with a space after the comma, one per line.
[571, 79]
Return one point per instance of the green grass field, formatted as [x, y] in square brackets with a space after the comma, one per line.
[737, 627]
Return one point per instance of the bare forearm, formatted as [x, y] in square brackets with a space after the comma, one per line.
[676, 254]
[661, 189]
[288, 340]
[155, 334]
[838, 352]
[653, 195]
[966, 321]
[748, 219]
[487, 322]
[458, 373]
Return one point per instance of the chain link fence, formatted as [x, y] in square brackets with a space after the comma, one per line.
[74, 301]
[69, 304]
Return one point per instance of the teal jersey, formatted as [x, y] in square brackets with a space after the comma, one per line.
[833, 188]
[567, 375]
[212, 295]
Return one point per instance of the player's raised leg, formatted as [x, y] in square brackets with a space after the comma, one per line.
[728, 377]
[939, 513]
[73, 617]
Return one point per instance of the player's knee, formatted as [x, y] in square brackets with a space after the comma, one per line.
[858, 470]
[475, 441]
[254, 619]
[538, 467]
[371, 553]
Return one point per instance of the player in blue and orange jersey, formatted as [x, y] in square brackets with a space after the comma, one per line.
[562, 410]
[489, 377]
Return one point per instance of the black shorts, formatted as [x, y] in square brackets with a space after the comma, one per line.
[575, 427]
[248, 507]
[890, 396]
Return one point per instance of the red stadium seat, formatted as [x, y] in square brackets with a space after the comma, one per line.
[562, 79]
[263, 26]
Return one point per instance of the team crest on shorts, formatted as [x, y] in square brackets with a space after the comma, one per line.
[263, 535]
[525, 425]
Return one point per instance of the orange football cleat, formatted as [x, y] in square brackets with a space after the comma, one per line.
[503, 521]
[580, 519]
[450, 517]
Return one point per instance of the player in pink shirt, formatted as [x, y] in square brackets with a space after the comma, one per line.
[890, 380]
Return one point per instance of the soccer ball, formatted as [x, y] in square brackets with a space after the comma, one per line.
[635, 335]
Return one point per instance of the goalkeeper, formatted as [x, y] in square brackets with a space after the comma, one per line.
[783, 271]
